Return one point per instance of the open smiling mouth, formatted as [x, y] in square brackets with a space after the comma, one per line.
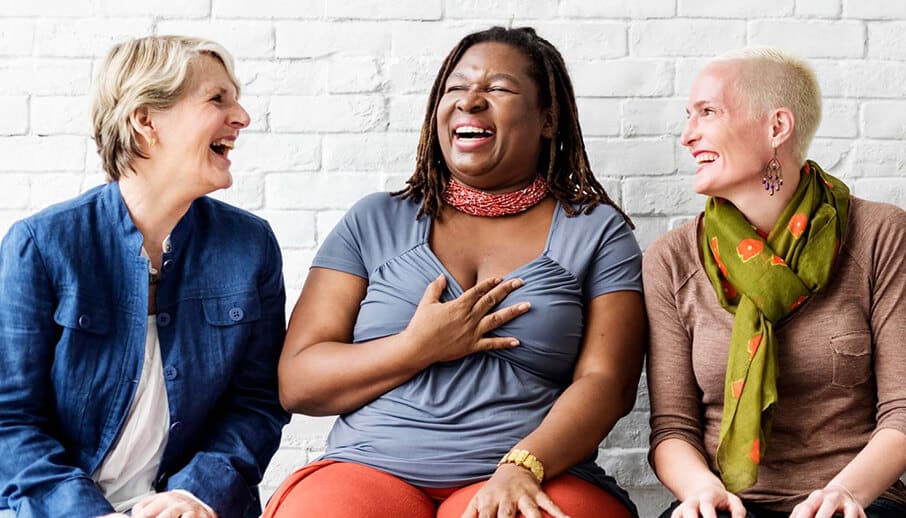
[222, 146]
[705, 158]
[471, 133]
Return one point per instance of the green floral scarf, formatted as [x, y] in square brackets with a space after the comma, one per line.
[762, 279]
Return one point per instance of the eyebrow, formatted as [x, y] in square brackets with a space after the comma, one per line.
[492, 77]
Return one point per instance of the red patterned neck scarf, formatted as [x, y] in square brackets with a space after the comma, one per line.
[480, 203]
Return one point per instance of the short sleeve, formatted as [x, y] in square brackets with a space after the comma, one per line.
[342, 249]
[616, 264]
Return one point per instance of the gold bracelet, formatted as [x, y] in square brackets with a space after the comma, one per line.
[524, 459]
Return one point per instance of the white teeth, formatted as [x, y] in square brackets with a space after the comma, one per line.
[473, 130]
[706, 157]
[227, 143]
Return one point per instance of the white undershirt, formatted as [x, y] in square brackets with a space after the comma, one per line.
[127, 474]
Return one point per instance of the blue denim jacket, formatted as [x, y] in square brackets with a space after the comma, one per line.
[73, 317]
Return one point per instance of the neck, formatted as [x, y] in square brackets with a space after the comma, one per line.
[155, 208]
[763, 210]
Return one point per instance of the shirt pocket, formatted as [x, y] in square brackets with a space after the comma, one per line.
[852, 358]
[79, 313]
[233, 309]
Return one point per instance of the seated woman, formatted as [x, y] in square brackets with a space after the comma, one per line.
[141, 322]
[777, 317]
[481, 331]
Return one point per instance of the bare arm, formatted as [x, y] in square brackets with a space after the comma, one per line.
[322, 373]
[607, 372]
[685, 472]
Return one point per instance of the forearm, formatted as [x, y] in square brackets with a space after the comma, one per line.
[880, 463]
[330, 378]
[571, 431]
[682, 469]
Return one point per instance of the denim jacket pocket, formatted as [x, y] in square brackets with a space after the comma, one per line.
[75, 312]
[852, 358]
[228, 310]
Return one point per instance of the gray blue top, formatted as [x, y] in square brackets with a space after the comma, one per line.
[451, 423]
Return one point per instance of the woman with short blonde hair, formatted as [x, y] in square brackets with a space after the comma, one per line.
[776, 317]
[141, 322]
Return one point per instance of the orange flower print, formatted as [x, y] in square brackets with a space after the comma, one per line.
[797, 224]
[828, 183]
[755, 454]
[737, 388]
[778, 261]
[807, 169]
[729, 290]
[754, 342]
[716, 252]
[799, 301]
[749, 248]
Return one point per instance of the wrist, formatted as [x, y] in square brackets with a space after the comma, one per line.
[525, 460]
[841, 488]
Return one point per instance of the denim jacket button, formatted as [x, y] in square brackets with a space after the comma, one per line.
[236, 314]
[84, 321]
[176, 427]
[168, 265]
[170, 372]
[163, 319]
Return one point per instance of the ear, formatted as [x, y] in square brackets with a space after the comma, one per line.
[548, 125]
[782, 124]
[142, 124]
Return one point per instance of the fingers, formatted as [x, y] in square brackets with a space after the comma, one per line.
[545, 502]
[434, 290]
[707, 510]
[528, 507]
[489, 301]
[481, 289]
[737, 509]
[502, 316]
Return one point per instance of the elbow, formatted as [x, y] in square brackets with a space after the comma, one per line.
[297, 400]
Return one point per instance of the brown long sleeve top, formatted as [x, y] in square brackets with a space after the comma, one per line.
[842, 357]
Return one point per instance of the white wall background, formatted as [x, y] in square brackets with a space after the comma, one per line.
[336, 90]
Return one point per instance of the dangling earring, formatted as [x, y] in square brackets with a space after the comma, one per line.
[772, 179]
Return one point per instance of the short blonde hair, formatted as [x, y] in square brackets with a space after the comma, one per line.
[771, 78]
[151, 72]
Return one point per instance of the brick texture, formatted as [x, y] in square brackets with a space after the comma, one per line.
[337, 91]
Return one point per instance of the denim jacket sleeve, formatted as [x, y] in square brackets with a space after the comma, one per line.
[249, 419]
[35, 476]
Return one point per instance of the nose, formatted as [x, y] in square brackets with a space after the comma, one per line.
[690, 132]
[472, 101]
[239, 118]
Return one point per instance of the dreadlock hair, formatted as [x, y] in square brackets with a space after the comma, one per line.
[568, 173]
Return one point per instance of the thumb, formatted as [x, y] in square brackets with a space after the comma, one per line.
[434, 290]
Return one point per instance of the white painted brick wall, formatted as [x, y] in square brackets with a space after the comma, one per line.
[336, 91]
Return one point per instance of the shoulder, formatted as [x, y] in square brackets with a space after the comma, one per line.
[673, 255]
[65, 225]
[66, 211]
[873, 227]
[381, 217]
[228, 217]
[385, 206]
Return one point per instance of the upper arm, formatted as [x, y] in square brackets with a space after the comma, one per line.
[326, 310]
[672, 388]
[614, 340]
[888, 321]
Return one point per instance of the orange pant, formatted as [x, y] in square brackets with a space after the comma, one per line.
[330, 489]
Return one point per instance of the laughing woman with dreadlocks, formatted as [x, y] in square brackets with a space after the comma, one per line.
[480, 331]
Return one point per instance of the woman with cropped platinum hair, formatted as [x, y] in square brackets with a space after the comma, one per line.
[141, 322]
[776, 316]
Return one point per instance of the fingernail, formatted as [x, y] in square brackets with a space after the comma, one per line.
[524, 306]
[514, 342]
[517, 282]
